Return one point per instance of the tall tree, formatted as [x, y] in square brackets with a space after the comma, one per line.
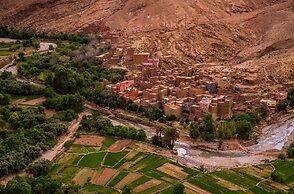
[170, 137]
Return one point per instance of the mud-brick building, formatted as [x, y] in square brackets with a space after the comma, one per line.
[173, 108]
[223, 82]
[140, 58]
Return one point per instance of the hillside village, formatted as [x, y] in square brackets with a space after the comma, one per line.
[190, 92]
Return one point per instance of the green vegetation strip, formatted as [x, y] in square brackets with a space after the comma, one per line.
[97, 189]
[107, 142]
[112, 158]
[118, 178]
[138, 182]
[241, 180]
[92, 160]
[286, 168]
[208, 183]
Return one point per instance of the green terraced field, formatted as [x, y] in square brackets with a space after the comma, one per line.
[125, 164]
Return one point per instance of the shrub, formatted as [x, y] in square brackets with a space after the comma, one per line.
[282, 156]
[194, 132]
[171, 118]
[282, 106]
[278, 177]
[291, 152]
[4, 99]
[39, 168]
[68, 143]
[179, 189]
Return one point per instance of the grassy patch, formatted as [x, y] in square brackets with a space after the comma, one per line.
[149, 163]
[32, 97]
[268, 187]
[81, 149]
[107, 142]
[168, 190]
[286, 168]
[155, 189]
[139, 181]
[112, 158]
[77, 159]
[92, 160]
[208, 183]
[243, 180]
[68, 173]
[118, 178]
[15, 97]
[93, 189]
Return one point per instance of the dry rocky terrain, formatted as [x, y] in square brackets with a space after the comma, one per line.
[258, 32]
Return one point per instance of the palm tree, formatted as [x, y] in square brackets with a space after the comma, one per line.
[170, 137]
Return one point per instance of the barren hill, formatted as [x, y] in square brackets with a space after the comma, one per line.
[190, 31]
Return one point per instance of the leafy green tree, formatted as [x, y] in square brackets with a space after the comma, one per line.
[194, 131]
[179, 189]
[65, 102]
[170, 137]
[155, 114]
[171, 118]
[208, 128]
[291, 97]
[14, 120]
[126, 190]
[4, 99]
[282, 106]
[21, 56]
[243, 129]
[67, 81]
[251, 117]
[39, 168]
[291, 152]
[46, 185]
[68, 143]
[227, 130]
[278, 177]
[18, 185]
[263, 112]
[156, 140]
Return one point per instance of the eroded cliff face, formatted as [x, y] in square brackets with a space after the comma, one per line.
[190, 31]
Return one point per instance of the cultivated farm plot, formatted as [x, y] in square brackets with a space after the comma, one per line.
[254, 179]
[103, 164]
[92, 160]
[119, 145]
[107, 167]
[90, 140]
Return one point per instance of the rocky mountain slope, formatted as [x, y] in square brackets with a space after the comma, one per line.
[184, 31]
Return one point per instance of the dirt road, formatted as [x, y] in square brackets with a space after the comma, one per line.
[58, 148]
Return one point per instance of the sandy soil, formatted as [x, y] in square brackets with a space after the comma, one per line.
[126, 165]
[227, 184]
[127, 180]
[195, 188]
[131, 154]
[173, 170]
[82, 176]
[90, 140]
[103, 177]
[44, 46]
[7, 40]
[147, 185]
[50, 113]
[34, 102]
[119, 145]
